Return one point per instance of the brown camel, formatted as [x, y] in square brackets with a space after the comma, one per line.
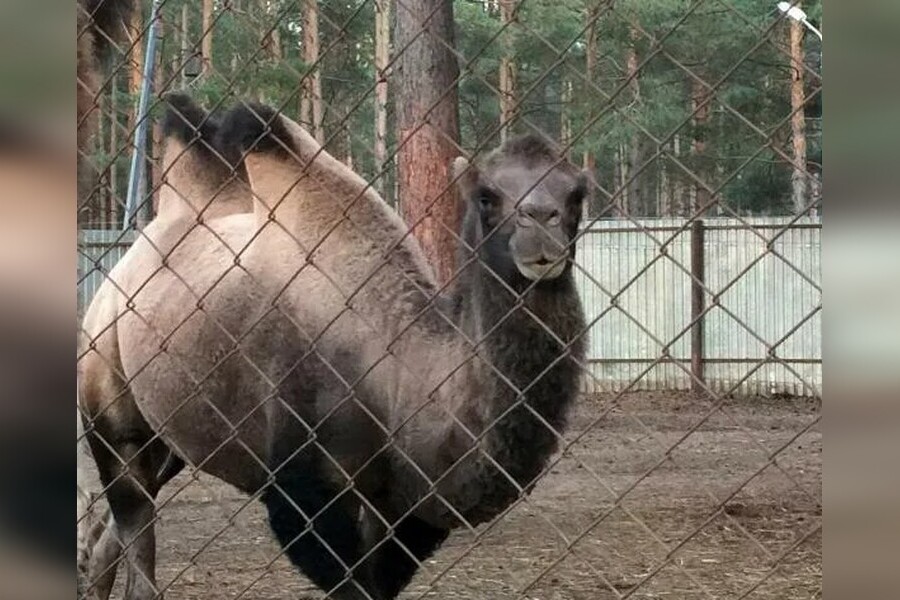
[326, 376]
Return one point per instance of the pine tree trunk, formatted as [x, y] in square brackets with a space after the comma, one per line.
[154, 164]
[272, 40]
[98, 147]
[507, 70]
[311, 92]
[382, 56]
[799, 187]
[348, 143]
[659, 190]
[679, 207]
[428, 128]
[621, 202]
[590, 67]
[277, 47]
[136, 58]
[700, 100]
[185, 43]
[206, 38]
[113, 216]
[135, 81]
[663, 196]
[637, 189]
[565, 120]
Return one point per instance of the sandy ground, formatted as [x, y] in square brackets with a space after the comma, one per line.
[646, 504]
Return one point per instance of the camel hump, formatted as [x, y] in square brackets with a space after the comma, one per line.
[254, 127]
[186, 121]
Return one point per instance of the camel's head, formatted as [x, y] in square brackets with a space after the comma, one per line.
[523, 206]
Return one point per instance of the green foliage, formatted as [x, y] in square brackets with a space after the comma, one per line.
[673, 41]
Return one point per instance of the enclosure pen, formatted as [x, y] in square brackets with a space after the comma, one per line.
[507, 299]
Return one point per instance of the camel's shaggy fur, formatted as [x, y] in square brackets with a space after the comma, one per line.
[325, 373]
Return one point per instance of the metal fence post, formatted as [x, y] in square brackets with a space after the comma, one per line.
[138, 156]
[697, 304]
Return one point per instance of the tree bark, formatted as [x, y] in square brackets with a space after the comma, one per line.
[621, 201]
[799, 187]
[135, 81]
[508, 105]
[382, 56]
[113, 216]
[100, 202]
[679, 200]
[565, 119]
[185, 45]
[638, 188]
[272, 40]
[206, 37]
[428, 128]
[700, 100]
[670, 201]
[136, 60]
[590, 67]
[348, 142]
[311, 92]
[154, 162]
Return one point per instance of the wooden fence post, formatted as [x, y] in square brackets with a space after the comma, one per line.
[698, 278]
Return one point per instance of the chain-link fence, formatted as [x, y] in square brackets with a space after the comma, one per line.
[474, 299]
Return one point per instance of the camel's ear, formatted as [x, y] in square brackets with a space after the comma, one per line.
[465, 174]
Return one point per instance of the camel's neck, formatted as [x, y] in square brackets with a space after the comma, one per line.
[526, 337]
[532, 345]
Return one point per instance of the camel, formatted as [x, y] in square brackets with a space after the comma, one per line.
[327, 375]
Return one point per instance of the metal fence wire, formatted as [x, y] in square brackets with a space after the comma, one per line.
[472, 299]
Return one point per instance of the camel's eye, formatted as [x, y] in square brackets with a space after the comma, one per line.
[487, 198]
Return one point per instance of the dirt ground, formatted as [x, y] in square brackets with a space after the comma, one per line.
[730, 508]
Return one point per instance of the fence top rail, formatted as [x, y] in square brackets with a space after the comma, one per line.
[106, 237]
[88, 237]
[709, 223]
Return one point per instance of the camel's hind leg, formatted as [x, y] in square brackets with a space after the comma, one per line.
[133, 466]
